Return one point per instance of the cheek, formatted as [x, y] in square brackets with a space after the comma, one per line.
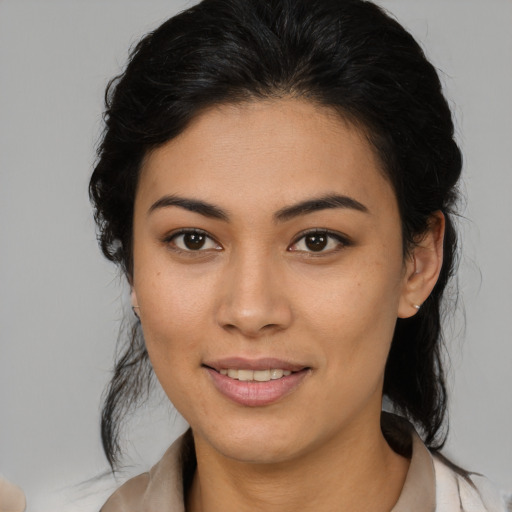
[361, 295]
[175, 311]
[353, 315]
[171, 296]
[176, 316]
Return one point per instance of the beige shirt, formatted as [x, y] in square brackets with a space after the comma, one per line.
[430, 486]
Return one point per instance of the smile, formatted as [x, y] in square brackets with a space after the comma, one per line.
[257, 386]
[255, 375]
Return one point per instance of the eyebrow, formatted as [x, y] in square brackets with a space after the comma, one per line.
[322, 203]
[284, 214]
[192, 205]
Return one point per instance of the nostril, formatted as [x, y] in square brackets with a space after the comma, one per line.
[253, 315]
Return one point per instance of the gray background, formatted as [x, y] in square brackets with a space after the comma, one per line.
[60, 303]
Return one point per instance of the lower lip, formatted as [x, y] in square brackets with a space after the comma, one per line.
[255, 394]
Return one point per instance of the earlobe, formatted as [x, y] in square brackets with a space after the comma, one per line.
[133, 297]
[135, 304]
[423, 267]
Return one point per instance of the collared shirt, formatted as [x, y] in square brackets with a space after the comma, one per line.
[431, 485]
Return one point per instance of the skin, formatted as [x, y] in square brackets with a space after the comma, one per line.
[255, 289]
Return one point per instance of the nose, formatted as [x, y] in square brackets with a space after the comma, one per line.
[253, 300]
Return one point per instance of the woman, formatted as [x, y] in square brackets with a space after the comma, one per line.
[277, 181]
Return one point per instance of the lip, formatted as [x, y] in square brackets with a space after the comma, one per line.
[256, 394]
[265, 363]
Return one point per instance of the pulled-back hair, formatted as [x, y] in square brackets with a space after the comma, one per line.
[345, 54]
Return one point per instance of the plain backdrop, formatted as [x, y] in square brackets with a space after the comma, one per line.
[61, 304]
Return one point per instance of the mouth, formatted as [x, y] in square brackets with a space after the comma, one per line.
[255, 375]
[256, 383]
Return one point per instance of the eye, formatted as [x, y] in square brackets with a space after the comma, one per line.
[193, 240]
[319, 241]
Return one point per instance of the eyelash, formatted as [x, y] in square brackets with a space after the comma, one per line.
[342, 242]
[171, 241]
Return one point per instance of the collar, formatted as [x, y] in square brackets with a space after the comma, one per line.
[162, 489]
[419, 490]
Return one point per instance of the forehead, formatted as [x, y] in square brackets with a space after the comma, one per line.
[266, 153]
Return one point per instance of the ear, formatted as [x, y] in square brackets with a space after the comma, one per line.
[135, 304]
[133, 296]
[422, 267]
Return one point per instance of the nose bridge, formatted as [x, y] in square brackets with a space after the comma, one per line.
[254, 301]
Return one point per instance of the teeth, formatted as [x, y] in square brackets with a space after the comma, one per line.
[245, 375]
[255, 375]
[261, 375]
[276, 374]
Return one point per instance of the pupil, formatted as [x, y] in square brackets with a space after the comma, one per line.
[316, 242]
[194, 240]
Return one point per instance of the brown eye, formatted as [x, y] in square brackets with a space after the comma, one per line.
[194, 241]
[316, 242]
[190, 241]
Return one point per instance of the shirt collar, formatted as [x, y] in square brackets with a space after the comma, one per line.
[165, 485]
[419, 490]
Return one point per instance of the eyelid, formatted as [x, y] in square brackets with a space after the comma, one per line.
[168, 239]
[343, 240]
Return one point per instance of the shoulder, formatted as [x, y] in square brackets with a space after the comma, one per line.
[160, 489]
[129, 496]
[468, 492]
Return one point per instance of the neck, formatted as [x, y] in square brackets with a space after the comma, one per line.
[354, 471]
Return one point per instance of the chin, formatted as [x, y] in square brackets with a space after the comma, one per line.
[252, 451]
[256, 444]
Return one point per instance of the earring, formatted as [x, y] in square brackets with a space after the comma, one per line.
[416, 306]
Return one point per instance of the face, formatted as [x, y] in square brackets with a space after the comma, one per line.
[269, 274]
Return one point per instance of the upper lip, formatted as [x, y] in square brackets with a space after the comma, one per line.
[265, 363]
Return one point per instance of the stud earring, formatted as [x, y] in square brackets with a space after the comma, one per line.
[416, 306]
